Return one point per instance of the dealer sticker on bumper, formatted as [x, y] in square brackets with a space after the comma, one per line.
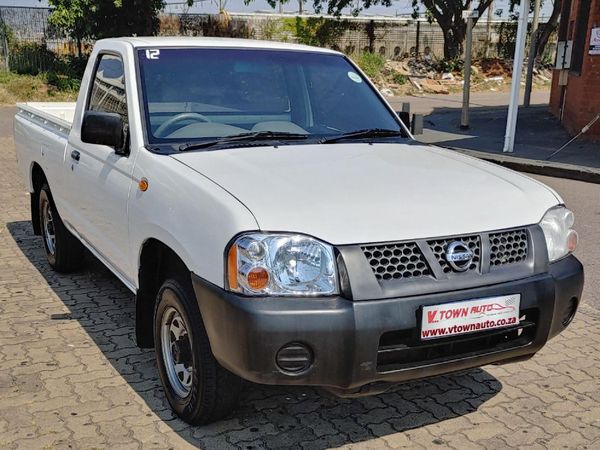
[470, 316]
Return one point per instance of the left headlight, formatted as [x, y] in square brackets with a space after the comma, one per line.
[561, 238]
[281, 264]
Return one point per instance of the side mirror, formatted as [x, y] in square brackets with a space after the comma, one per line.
[103, 128]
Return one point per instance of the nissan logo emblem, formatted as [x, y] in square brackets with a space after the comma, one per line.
[459, 256]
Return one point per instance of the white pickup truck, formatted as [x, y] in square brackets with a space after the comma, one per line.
[278, 223]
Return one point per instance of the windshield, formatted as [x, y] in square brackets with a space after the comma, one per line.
[194, 94]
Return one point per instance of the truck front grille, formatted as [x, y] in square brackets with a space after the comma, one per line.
[395, 261]
[426, 259]
[508, 247]
[439, 247]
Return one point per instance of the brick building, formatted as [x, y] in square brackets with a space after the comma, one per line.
[575, 95]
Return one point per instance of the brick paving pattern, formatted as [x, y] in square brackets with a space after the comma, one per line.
[72, 377]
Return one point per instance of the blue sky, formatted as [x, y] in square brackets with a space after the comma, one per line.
[208, 6]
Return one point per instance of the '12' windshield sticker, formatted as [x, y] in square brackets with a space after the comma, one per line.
[354, 77]
[152, 53]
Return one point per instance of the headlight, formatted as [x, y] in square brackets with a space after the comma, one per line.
[561, 239]
[281, 264]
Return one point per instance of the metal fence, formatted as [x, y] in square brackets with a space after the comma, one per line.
[34, 42]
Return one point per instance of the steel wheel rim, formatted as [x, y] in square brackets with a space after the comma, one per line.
[176, 352]
[48, 225]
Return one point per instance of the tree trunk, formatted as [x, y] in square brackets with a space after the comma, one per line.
[370, 29]
[448, 14]
[547, 29]
[453, 40]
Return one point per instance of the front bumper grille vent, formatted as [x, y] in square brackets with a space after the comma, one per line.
[401, 349]
[395, 261]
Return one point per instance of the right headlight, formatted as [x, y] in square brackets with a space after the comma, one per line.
[281, 264]
[561, 239]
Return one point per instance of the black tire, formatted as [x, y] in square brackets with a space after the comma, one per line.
[65, 253]
[214, 391]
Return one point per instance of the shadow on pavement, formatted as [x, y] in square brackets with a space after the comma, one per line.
[268, 417]
[539, 134]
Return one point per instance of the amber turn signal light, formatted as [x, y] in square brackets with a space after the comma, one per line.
[572, 240]
[258, 278]
[232, 267]
[143, 185]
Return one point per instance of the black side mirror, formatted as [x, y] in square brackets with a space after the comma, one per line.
[103, 128]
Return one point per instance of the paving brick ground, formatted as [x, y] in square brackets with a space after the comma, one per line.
[72, 377]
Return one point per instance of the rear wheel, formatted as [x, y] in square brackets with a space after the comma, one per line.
[63, 250]
[197, 387]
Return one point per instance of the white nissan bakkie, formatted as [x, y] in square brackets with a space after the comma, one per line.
[278, 223]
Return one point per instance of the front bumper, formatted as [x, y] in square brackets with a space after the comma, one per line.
[361, 346]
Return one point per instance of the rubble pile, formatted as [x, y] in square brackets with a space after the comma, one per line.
[426, 75]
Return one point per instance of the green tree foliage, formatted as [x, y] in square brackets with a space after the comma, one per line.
[96, 19]
[318, 31]
[335, 7]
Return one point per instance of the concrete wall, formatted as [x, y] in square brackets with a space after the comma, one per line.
[394, 37]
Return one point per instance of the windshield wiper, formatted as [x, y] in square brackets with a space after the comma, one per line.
[254, 136]
[360, 134]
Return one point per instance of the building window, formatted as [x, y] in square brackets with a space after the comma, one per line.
[580, 35]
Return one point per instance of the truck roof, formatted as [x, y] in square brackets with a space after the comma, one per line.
[214, 42]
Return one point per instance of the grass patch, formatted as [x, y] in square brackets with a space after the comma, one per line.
[25, 88]
[370, 63]
[399, 78]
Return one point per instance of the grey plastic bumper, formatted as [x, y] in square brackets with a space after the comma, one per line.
[246, 333]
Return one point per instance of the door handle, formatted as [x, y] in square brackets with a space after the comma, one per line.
[75, 155]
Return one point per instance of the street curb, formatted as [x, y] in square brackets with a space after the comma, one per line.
[539, 167]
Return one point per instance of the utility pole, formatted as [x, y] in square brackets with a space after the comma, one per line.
[488, 41]
[532, 53]
[464, 117]
[300, 7]
[513, 107]
[418, 39]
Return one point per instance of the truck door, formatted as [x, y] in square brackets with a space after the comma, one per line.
[99, 178]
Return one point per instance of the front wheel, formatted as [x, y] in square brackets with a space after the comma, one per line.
[198, 389]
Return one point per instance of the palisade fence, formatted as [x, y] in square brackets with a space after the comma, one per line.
[30, 44]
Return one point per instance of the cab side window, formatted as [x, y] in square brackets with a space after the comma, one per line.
[108, 87]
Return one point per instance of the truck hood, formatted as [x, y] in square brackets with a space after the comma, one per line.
[347, 193]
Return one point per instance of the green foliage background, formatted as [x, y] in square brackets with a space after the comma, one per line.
[317, 31]
[97, 19]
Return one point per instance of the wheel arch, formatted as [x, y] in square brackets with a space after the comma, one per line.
[157, 261]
